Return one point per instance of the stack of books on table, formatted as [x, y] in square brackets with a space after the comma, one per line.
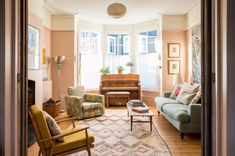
[140, 109]
[136, 103]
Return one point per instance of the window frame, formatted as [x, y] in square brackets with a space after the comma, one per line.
[120, 48]
[147, 42]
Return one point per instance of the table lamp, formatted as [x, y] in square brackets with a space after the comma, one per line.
[177, 79]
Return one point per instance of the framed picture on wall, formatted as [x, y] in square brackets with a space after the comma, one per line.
[173, 66]
[174, 50]
[33, 47]
[44, 59]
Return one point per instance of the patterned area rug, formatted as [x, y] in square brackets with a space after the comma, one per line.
[114, 138]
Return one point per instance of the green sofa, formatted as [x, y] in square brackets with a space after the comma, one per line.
[187, 119]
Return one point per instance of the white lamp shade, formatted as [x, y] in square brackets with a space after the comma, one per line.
[177, 79]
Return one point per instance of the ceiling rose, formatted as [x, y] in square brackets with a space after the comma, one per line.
[116, 10]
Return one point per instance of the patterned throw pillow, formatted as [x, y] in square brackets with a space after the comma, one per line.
[175, 92]
[185, 98]
[196, 98]
[188, 88]
[53, 126]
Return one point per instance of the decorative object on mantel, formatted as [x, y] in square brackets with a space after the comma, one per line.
[104, 70]
[120, 69]
[196, 54]
[130, 65]
[173, 66]
[52, 107]
[178, 79]
[174, 50]
[59, 60]
[116, 10]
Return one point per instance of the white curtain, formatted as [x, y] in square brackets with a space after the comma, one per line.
[90, 59]
[147, 62]
[147, 67]
[112, 61]
[90, 70]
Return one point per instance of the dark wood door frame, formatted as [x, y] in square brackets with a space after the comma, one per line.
[206, 10]
[23, 76]
[206, 60]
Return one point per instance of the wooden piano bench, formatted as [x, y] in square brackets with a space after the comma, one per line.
[117, 98]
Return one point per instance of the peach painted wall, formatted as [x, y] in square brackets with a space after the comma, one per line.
[45, 41]
[63, 44]
[45, 36]
[174, 37]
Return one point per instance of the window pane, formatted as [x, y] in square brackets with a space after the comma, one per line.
[118, 50]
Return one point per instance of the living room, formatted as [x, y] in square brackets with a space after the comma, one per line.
[76, 47]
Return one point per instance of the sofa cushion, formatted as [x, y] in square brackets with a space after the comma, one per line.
[175, 92]
[185, 98]
[188, 88]
[178, 112]
[161, 101]
[196, 98]
[73, 141]
[53, 126]
[91, 105]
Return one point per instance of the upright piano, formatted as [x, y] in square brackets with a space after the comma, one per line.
[121, 82]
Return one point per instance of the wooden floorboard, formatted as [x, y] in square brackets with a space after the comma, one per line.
[190, 146]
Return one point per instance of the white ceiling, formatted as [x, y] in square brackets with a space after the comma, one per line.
[137, 10]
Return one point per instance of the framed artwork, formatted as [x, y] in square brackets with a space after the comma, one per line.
[33, 47]
[174, 50]
[196, 54]
[44, 59]
[173, 66]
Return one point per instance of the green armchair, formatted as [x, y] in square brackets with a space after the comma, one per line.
[84, 105]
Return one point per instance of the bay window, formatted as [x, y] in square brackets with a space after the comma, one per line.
[118, 50]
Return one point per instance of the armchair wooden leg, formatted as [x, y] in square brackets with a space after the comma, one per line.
[39, 152]
[87, 144]
[182, 136]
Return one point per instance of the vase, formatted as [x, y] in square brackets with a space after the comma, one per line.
[120, 71]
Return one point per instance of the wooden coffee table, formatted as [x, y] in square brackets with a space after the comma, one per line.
[132, 114]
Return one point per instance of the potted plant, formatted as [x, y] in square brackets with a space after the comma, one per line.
[120, 69]
[130, 65]
[104, 70]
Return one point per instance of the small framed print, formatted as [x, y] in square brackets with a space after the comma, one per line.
[174, 50]
[173, 66]
[44, 57]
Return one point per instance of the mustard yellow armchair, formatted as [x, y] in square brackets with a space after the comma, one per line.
[75, 139]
